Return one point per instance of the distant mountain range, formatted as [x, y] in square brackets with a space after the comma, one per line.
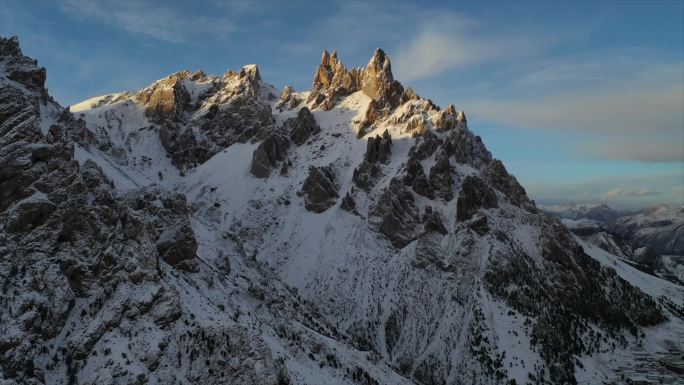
[652, 236]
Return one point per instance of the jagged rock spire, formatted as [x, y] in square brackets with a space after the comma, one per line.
[377, 80]
[20, 68]
[333, 80]
[251, 70]
[380, 63]
[325, 59]
[461, 117]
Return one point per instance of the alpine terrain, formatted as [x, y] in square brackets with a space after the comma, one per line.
[213, 230]
[651, 239]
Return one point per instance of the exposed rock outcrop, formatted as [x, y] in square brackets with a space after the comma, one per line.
[448, 119]
[270, 152]
[175, 240]
[474, 194]
[199, 115]
[319, 189]
[479, 224]
[395, 214]
[64, 234]
[348, 203]
[333, 80]
[432, 221]
[441, 178]
[417, 125]
[167, 100]
[365, 175]
[416, 178]
[496, 174]
[379, 148]
[378, 82]
[302, 127]
[466, 147]
[288, 99]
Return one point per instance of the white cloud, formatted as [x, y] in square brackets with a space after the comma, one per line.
[589, 110]
[626, 116]
[150, 19]
[435, 51]
[630, 191]
[627, 192]
[665, 144]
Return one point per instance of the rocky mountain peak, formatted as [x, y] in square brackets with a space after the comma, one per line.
[377, 81]
[167, 98]
[252, 71]
[325, 59]
[9, 46]
[20, 68]
[380, 64]
[333, 81]
[461, 117]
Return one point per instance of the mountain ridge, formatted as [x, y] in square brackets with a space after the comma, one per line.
[346, 263]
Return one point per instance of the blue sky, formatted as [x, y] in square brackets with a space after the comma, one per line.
[581, 100]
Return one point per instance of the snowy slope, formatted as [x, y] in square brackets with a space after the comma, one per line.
[453, 278]
[319, 253]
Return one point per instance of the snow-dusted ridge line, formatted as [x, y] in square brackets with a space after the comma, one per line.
[173, 263]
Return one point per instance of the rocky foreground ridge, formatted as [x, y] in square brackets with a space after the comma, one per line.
[208, 229]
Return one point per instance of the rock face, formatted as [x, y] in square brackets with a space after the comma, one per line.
[332, 81]
[268, 155]
[302, 127]
[474, 195]
[379, 148]
[466, 147]
[176, 241]
[196, 115]
[288, 99]
[348, 203]
[319, 189]
[433, 221]
[416, 178]
[378, 82]
[497, 175]
[441, 177]
[395, 214]
[167, 100]
[66, 235]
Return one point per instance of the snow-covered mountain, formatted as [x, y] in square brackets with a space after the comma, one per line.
[595, 212]
[660, 227]
[208, 229]
[652, 238]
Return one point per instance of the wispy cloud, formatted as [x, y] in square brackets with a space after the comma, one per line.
[627, 192]
[438, 49]
[632, 191]
[149, 19]
[633, 114]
